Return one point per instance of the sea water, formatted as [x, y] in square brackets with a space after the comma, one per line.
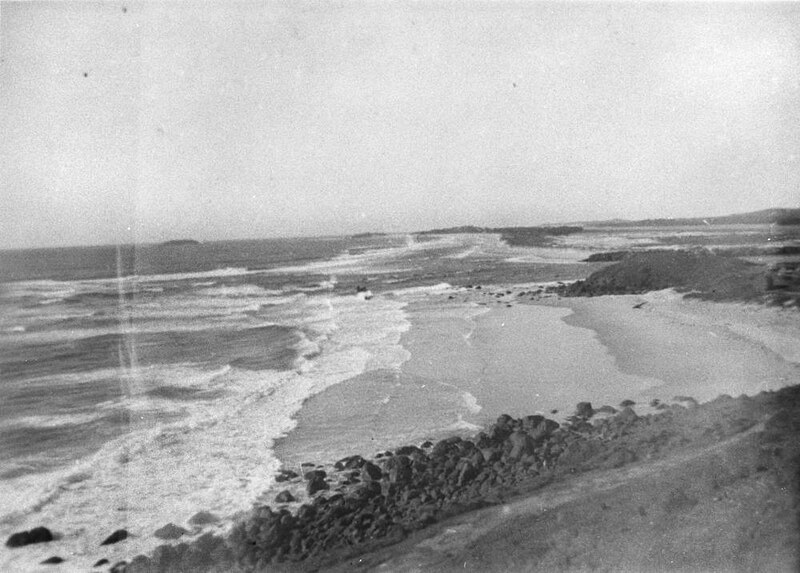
[142, 384]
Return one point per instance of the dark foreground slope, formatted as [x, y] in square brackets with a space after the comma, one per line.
[694, 487]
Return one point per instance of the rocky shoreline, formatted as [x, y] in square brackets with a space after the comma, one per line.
[361, 505]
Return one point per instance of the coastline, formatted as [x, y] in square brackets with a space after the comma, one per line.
[497, 340]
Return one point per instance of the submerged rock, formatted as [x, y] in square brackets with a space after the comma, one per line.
[54, 560]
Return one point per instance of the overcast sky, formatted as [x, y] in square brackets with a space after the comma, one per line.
[128, 121]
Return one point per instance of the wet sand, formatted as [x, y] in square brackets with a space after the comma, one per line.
[469, 364]
[694, 348]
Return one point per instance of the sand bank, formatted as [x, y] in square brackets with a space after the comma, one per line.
[694, 348]
[468, 364]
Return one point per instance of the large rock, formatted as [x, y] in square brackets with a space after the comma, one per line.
[545, 429]
[170, 531]
[467, 473]
[203, 518]
[284, 497]
[521, 444]
[316, 483]
[530, 423]
[115, 537]
[584, 410]
[408, 451]
[349, 463]
[626, 416]
[370, 472]
[399, 469]
[35, 535]
[285, 475]
[315, 474]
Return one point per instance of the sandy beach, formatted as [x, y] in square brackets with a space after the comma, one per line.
[520, 356]
[539, 355]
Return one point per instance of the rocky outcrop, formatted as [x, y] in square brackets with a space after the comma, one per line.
[170, 531]
[35, 535]
[369, 503]
[699, 272]
[115, 537]
[203, 518]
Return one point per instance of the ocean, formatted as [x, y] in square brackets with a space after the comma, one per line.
[142, 384]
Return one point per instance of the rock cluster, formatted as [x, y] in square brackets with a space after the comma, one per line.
[370, 503]
[411, 487]
[35, 535]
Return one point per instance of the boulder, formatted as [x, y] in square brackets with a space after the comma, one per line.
[399, 469]
[368, 490]
[606, 410]
[530, 423]
[370, 472]
[170, 531]
[468, 473]
[584, 410]
[543, 430]
[408, 451]
[285, 475]
[203, 518]
[35, 535]
[626, 416]
[115, 537]
[284, 497]
[317, 483]
[315, 474]
[521, 444]
[491, 454]
[349, 463]
[54, 560]
[100, 562]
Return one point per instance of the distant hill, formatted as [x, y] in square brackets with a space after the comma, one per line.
[179, 243]
[367, 235]
[763, 217]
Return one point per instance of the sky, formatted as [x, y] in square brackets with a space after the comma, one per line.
[126, 121]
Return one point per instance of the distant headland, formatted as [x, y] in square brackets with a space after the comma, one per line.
[179, 243]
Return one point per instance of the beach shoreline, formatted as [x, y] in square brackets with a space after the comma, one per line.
[605, 321]
[468, 354]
